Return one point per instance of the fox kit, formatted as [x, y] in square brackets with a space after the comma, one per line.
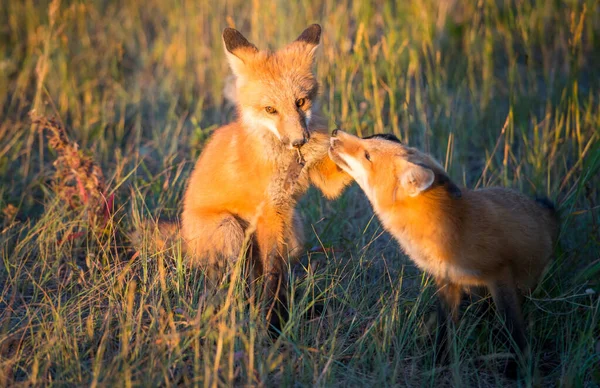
[493, 237]
[252, 172]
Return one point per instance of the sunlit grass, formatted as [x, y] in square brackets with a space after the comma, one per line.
[502, 93]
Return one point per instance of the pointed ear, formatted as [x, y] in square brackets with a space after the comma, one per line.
[311, 36]
[308, 41]
[238, 50]
[415, 178]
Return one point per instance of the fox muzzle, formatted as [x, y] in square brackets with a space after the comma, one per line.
[297, 141]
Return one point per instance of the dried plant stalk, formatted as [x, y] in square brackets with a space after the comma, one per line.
[78, 180]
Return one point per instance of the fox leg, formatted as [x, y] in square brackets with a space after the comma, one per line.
[294, 238]
[273, 269]
[324, 173]
[329, 178]
[505, 296]
[450, 295]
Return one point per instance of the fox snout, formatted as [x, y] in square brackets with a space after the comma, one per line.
[336, 139]
[336, 149]
[296, 137]
[301, 141]
[333, 139]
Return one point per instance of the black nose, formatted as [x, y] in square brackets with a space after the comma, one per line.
[299, 143]
[334, 132]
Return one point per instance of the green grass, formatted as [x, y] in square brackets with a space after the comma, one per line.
[502, 92]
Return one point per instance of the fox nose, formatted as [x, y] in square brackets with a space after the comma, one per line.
[333, 141]
[299, 143]
[334, 132]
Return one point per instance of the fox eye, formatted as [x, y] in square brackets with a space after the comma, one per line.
[270, 110]
[300, 102]
[367, 156]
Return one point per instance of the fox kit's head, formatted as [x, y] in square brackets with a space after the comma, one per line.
[275, 90]
[386, 170]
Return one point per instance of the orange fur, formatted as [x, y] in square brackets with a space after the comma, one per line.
[492, 237]
[248, 176]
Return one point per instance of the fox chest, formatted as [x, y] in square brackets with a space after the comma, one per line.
[437, 262]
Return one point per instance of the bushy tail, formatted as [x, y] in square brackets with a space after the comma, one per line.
[157, 236]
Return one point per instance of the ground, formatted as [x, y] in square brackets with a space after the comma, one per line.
[501, 92]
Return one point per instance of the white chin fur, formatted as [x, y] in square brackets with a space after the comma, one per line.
[254, 121]
[356, 171]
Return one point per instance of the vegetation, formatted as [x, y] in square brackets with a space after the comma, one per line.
[502, 92]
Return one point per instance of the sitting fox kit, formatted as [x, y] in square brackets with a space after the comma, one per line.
[493, 237]
[252, 172]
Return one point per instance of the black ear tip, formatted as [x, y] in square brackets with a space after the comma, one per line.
[229, 32]
[311, 35]
[334, 132]
[234, 39]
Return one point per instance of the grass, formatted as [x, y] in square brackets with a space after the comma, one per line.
[502, 92]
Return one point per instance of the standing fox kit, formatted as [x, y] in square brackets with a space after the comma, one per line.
[493, 237]
[252, 172]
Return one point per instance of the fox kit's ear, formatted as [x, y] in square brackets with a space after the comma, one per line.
[308, 41]
[311, 36]
[238, 50]
[415, 178]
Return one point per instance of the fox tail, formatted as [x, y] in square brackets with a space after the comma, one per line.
[156, 236]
